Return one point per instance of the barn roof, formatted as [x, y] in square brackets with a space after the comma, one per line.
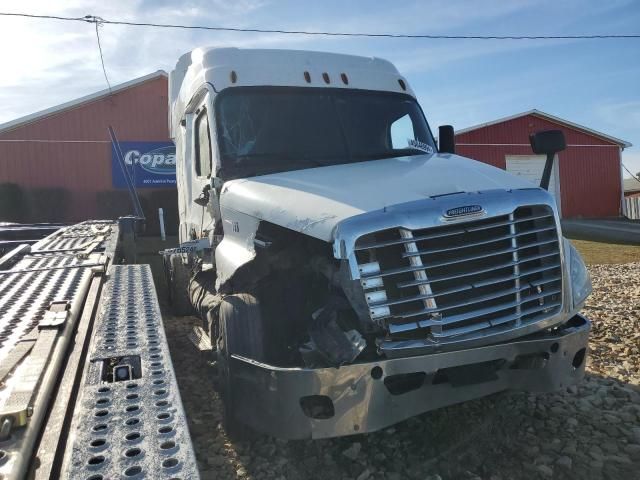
[552, 118]
[79, 101]
[631, 185]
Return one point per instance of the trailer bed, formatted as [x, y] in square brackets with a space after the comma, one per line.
[88, 388]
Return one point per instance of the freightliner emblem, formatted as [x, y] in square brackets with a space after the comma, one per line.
[462, 211]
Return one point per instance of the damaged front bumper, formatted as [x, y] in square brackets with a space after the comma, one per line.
[298, 403]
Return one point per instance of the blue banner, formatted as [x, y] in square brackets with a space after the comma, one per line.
[150, 164]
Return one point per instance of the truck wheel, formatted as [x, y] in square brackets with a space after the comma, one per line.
[178, 286]
[240, 332]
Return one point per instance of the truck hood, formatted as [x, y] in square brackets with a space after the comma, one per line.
[315, 200]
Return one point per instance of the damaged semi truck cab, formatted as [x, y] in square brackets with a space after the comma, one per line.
[348, 272]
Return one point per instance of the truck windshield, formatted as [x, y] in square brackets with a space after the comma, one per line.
[265, 130]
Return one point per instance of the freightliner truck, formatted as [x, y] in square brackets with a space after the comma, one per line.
[350, 270]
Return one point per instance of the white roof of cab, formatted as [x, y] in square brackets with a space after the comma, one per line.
[262, 67]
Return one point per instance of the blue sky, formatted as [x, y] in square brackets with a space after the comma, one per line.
[595, 83]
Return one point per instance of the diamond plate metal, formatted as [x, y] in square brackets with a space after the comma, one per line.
[25, 296]
[73, 237]
[26, 291]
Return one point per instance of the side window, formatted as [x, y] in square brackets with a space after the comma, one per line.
[202, 145]
[402, 132]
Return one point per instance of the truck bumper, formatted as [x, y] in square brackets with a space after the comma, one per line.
[298, 403]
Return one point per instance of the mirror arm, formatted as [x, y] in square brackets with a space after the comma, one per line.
[548, 142]
[546, 174]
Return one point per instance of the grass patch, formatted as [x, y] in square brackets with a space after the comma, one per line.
[595, 253]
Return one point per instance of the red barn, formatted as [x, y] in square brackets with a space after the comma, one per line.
[586, 177]
[61, 159]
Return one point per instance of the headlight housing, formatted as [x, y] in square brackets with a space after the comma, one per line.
[579, 275]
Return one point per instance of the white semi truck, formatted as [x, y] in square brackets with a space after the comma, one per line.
[351, 271]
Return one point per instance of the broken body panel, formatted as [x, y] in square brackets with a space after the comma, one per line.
[298, 403]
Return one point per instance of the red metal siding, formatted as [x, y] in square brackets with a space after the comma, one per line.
[589, 167]
[83, 166]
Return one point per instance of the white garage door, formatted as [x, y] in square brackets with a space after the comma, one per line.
[531, 167]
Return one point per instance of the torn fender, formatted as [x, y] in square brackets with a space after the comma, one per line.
[237, 247]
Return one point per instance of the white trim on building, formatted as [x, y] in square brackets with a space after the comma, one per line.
[622, 143]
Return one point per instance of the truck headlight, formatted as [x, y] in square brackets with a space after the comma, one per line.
[580, 279]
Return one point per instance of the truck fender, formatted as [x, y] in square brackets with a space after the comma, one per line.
[237, 247]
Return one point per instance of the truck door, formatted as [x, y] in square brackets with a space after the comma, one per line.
[196, 178]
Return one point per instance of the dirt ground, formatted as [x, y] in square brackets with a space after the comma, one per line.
[587, 432]
[595, 253]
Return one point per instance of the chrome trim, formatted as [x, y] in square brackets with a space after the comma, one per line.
[484, 311]
[396, 271]
[267, 394]
[486, 242]
[377, 298]
[483, 298]
[403, 348]
[516, 266]
[464, 211]
[498, 279]
[368, 269]
[424, 214]
[389, 243]
[371, 282]
[426, 295]
[379, 312]
[500, 320]
[490, 254]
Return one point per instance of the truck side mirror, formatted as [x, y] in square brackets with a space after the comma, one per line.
[547, 142]
[446, 139]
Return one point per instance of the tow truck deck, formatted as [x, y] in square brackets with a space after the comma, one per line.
[87, 387]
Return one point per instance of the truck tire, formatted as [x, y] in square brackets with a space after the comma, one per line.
[240, 331]
[178, 286]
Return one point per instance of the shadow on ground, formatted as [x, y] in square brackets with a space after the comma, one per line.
[586, 432]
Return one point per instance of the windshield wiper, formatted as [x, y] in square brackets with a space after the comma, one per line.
[418, 151]
[376, 156]
[287, 157]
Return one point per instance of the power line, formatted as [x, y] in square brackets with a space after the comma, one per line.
[98, 23]
[38, 140]
[96, 20]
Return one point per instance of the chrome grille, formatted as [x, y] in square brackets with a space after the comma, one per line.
[461, 278]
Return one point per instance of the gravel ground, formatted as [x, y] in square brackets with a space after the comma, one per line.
[591, 431]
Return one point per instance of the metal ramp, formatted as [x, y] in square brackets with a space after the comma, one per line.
[134, 427]
[32, 351]
[70, 323]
